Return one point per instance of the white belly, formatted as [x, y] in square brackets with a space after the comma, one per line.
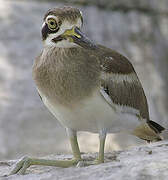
[94, 114]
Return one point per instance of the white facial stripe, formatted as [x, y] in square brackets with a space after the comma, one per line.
[43, 24]
[59, 44]
[51, 16]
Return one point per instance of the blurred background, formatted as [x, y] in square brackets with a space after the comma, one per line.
[136, 28]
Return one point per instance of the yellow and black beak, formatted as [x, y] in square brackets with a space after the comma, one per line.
[75, 35]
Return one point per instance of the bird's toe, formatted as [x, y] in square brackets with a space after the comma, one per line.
[21, 166]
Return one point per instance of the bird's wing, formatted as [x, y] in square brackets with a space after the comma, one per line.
[120, 84]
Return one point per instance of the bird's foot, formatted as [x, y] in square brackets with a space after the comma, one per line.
[21, 166]
[89, 163]
[25, 162]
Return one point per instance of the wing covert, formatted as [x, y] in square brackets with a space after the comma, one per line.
[120, 82]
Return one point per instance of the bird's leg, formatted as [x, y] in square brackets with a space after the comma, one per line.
[21, 166]
[100, 158]
[26, 162]
[74, 144]
[102, 138]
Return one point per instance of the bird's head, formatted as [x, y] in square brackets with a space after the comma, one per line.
[61, 28]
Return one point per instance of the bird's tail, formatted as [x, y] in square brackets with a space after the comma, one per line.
[149, 131]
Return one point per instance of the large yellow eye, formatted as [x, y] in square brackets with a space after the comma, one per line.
[52, 24]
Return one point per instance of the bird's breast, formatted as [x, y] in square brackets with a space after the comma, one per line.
[65, 79]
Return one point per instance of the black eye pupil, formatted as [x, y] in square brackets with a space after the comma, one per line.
[52, 23]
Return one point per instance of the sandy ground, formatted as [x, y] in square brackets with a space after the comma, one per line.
[142, 163]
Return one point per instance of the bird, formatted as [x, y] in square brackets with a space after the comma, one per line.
[87, 87]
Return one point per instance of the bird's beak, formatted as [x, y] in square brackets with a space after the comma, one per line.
[79, 38]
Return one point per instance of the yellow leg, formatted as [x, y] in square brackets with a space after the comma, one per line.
[75, 148]
[74, 143]
[26, 162]
[102, 138]
[100, 158]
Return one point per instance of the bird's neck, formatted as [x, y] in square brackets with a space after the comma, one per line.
[56, 51]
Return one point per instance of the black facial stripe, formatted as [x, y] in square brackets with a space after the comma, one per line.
[52, 31]
[57, 39]
[45, 31]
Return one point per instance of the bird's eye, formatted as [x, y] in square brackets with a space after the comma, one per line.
[52, 24]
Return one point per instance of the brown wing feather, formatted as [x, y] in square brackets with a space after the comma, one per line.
[128, 93]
